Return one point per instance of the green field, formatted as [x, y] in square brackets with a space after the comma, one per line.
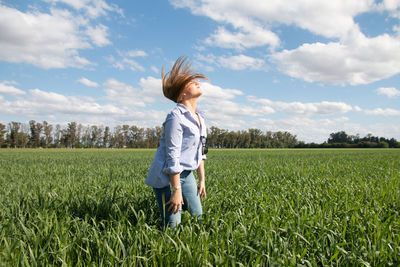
[264, 207]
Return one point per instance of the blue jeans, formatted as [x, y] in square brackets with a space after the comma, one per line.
[190, 196]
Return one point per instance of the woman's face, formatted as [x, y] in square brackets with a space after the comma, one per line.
[192, 90]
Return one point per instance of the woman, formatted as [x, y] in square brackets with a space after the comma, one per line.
[182, 148]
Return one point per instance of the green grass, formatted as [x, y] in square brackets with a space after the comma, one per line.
[263, 207]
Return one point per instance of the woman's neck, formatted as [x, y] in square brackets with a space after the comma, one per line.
[190, 104]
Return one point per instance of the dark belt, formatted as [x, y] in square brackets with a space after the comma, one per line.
[185, 173]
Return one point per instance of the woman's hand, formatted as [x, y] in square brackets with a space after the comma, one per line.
[175, 201]
[202, 181]
[202, 190]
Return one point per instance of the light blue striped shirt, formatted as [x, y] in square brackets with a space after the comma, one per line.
[180, 147]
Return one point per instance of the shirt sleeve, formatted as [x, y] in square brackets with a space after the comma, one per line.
[173, 142]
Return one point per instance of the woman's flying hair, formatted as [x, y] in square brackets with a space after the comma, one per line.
[180, 75]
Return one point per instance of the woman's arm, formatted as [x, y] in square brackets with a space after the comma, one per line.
[202, 180]
[176, 199]
[173, 141]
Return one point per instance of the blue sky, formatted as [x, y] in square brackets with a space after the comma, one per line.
[308, 67]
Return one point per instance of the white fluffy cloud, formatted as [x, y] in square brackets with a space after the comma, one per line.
[125, 60]
[390, 92]
[392, 6]
[7, 88]
[127, 96]
[152, 89]
[132, 64]
[136, 53]
[298, 108]
[239, 62]
[39, 102]
[349, 58]
[243, 39]
[50, 40]
[91, 8]
[123, 94]
[322, 108]
[358, 60]
[125, 105]
[326, 18]
[98, 35]
[231, 114]
[223, 109]
[45, 40]
[383, 112]
[88, 82]
[213, 92]
[123, 99]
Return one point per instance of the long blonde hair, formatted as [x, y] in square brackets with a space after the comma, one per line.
[174, 82]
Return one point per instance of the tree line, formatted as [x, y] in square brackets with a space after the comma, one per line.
[342, 140]
[75, 135]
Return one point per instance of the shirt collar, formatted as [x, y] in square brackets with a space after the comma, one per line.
[183, 109]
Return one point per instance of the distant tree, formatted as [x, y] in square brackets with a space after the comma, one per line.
[221, 137]
[244, 139]
[255, 137]
[35, 130]
[339, 137]
[23, 136]
[118, 137]
[85, 139]
[277, 139]
[47, 129]
[383, 144]
[113, 140]
[137, 136]
[212, 135]
[78, 142]
[251, 138]
[354, 139]
[14, 132]
[368, 138]
[96, 137]
[106, 137]
[126, 139]
[396, 144]
[57, 136]
[158, 131]
[392, 142]
[99, 139]
[301, 144]
[231, 140]
[3, 131]
[268, 139]
[39, 129]
[288, 140]
[149, 137]
[367, 144]
[70, 135]
[32, 125]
